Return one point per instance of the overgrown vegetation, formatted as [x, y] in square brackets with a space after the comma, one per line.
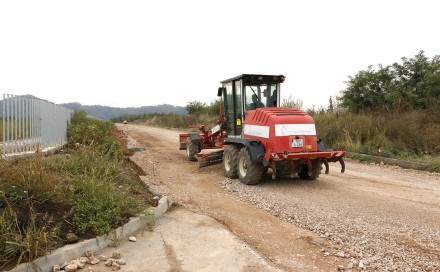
[412, 134]
[392, 112]
[412, 84]
[86, 190]
[92, 133]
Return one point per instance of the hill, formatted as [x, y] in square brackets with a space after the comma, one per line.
[105, 112]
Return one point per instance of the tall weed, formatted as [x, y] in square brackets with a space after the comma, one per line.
[30, 179]
[413, 133]
[100, 194]
[92, 133]
[24, 242]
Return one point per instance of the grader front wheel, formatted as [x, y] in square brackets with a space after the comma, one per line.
[230, 156]
[248, 173]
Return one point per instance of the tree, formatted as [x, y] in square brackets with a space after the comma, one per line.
[214, 107]
[409, 77]
[414, 83]
[367, 90]
[432, 83]
[195, 107]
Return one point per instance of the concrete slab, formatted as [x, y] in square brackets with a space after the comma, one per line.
[185, 241]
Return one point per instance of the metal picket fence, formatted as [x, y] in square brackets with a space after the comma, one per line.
[30, 123]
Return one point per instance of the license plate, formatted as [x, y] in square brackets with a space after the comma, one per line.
[297, 143]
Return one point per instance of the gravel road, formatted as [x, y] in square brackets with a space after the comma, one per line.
[372, 218]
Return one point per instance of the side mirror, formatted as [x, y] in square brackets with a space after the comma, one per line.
[220, 91]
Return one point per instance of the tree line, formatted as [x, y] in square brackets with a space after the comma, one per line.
[133, 117]
[413, 83]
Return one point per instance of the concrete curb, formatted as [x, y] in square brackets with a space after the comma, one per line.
[74, 251]
[46, 151]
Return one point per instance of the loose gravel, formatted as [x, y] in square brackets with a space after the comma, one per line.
[370, 236]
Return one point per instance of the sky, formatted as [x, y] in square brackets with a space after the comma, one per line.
[145, 53]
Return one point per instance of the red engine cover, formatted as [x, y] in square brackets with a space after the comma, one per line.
[281, 129]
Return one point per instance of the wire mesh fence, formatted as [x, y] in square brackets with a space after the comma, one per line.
[30, 123]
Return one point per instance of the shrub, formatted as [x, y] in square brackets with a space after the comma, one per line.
[100, 194]
[94, 133]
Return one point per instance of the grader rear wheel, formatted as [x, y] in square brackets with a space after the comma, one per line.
[248, 173]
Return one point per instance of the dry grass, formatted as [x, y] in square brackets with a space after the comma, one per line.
[412, 134]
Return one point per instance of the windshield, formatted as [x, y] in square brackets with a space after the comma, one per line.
[260, 96]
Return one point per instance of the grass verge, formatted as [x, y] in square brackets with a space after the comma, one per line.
[88, 189]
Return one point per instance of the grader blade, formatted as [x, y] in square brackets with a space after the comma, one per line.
[212, 158]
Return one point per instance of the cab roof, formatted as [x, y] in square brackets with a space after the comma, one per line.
[256, 79]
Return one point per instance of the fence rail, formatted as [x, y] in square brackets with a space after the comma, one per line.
[30, 123]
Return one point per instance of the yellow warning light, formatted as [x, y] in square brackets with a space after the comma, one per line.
[238, 122]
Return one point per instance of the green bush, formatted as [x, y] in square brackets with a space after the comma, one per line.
[100, 206]
[100, 193]
[93, 133]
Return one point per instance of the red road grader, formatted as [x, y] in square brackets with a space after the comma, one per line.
[254, 134]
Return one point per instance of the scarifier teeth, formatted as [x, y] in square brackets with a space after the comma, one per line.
[327, 168]
[341, 161]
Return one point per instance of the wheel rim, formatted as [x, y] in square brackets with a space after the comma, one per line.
[242, 166]
[227, 161]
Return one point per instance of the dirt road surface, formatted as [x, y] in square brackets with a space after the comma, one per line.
[370, 218]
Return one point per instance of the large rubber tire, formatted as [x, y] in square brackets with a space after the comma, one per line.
[192, 148]
[230, 166]
[248, 173]
[317, 167]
